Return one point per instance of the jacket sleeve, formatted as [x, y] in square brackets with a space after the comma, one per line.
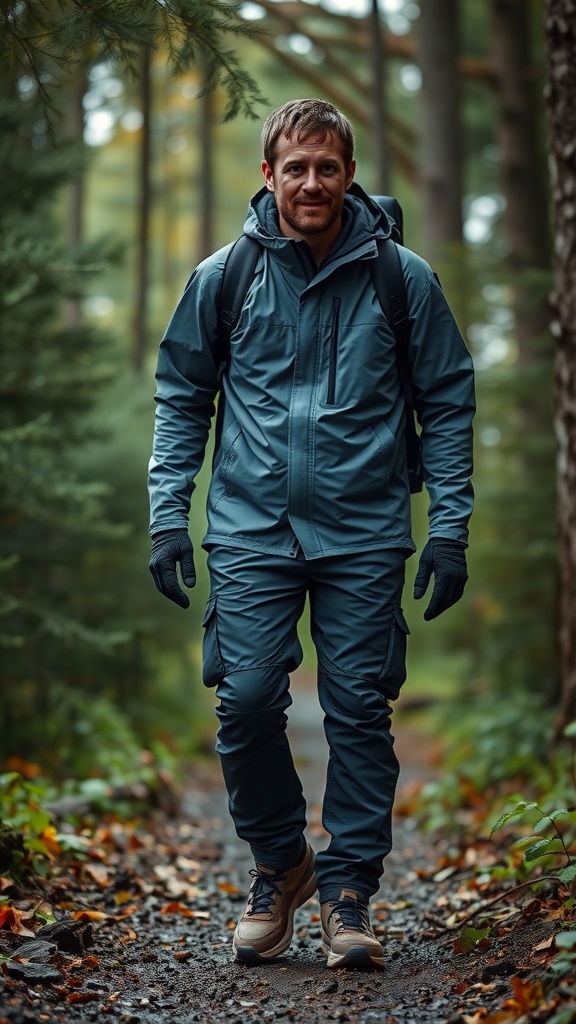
[187, 381]
[443, 381]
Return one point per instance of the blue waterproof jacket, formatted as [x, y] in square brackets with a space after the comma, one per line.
[310, 448]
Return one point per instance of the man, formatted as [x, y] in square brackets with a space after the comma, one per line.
[309, 496]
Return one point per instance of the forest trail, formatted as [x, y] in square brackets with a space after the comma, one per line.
[152, 912]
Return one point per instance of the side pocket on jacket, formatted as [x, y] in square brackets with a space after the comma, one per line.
[213, 666]
[394, 671]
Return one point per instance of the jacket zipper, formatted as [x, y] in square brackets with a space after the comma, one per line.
[331, 392]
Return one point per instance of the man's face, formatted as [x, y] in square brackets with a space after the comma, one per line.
[309, 179]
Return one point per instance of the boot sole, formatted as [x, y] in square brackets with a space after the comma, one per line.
[357, 957]
[249, 955]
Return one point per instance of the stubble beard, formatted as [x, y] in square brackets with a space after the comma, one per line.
[307, 224]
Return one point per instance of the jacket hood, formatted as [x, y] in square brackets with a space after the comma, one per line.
[362, 220]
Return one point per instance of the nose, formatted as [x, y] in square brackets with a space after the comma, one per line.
[311, 184]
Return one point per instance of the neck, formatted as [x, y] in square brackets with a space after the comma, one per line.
[319, 244]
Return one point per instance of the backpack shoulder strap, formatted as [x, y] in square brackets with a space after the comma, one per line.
[392, 207]
[388, 281]
[236, 277]
[390, 288]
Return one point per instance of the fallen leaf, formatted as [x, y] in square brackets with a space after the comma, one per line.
[98, 872]
[445, 873]
[83, 997]
[180, 908]
[471, 938]
[123, 896]
[186, 864]
[385, 905]
[13, 920]
[90, 915]
[528, 994]
[228, 887]
[48, 837]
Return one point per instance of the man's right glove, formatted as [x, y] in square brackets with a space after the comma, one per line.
[446, 559]
[169, 549]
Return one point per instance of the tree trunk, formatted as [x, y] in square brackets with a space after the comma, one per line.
[522, 168]
[380, 156]
[206, 233]
[561, 112]
[441, 152]
[144, 208]
[74, 129]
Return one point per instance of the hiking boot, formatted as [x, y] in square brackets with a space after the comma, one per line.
[347, 937]
[266, 926]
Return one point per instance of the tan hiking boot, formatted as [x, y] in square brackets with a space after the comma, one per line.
[266, 926]
[347, 937]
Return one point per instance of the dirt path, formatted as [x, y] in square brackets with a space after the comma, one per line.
[160, 903]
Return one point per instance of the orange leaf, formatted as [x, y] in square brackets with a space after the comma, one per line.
[82, 997]
[48, 837]
[177, 908]
[26, 768]
[528, 994]
[13, 919]
[122, 897]
[90, 915]
[228, 887]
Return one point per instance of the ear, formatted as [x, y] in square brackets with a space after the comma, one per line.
[351, 171]
[268, 175]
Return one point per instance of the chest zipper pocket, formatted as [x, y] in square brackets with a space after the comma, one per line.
[333, 353]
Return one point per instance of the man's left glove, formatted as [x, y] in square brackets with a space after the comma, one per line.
[169, 549]
[446, 559]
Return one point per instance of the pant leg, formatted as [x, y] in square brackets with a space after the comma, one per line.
[250, 646]
[360, 636]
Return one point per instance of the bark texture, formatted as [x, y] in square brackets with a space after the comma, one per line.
[140, 342]
[441, 152]
[561, 113]
[380, 155]
[522, 168]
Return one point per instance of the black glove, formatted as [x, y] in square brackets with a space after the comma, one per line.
[447, 560]
[170, 548]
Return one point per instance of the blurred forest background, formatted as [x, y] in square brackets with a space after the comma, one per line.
[119, 172]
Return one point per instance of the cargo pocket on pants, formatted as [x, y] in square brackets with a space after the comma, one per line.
[394, 671]
[212, 664]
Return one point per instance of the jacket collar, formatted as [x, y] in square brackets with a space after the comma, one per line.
[363, 221]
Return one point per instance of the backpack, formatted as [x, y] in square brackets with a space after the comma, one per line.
[388, 281]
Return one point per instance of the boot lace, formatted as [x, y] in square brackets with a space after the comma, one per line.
[263, 891]
[352, 915]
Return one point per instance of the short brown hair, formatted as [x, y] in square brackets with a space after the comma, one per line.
[306, 118]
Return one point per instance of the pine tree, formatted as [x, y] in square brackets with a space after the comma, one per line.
[37, 35]
[50, 517]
